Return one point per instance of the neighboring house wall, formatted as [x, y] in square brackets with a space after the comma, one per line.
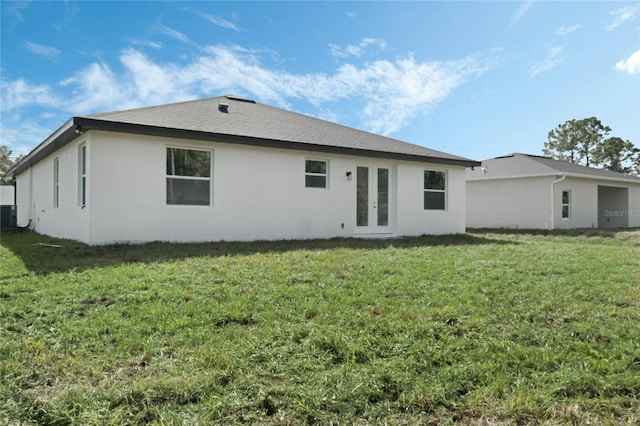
[509, 203]
[525, 203]
[6, 195]
[257, 193]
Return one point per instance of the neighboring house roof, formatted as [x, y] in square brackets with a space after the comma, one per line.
[235, 120]
[525, 165]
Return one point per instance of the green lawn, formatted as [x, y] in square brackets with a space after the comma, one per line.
[490, 328]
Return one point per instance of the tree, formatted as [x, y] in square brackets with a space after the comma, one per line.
[617, 155]
[6, 162]
[576, 141]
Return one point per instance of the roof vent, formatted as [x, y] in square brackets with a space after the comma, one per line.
[223, 107]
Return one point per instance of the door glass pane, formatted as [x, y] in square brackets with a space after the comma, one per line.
[383, 197]
[362, 196]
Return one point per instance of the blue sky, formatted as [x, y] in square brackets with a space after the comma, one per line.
[477, 79]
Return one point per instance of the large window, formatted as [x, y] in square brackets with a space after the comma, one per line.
[56, 183]
[566, 204]
[188, 177]
[315, 174]
[435, 187]
[82, 175]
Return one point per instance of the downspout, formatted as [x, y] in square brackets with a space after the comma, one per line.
[553, 208]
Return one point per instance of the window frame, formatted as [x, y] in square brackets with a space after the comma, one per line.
[56, 182]
[209, 178]
[433, 190]
[567, 204]
[312, 174]
[82, 175]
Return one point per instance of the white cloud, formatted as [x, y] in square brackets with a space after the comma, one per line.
[631, 65]
[522, 10]
[562, 31]
[223, 23]
[389, 93]
[94, 88]
[620, 16]
[552, 60]
[39, 49]
[174, 34]
[19, 93]
[356, 50]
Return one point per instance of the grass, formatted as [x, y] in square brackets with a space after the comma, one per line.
[486, 328]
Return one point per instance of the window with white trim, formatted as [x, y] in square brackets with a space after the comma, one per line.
[188, 177]
[56, 183]
[566, 204]
[435, 190]
[315, 173]
[82, 175]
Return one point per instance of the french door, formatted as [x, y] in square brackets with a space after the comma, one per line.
[373, 199]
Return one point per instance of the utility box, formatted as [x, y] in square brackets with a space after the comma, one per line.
[8, 216]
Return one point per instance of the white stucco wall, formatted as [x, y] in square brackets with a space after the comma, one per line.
[6, 194]
[34, 193]
[525, 203]
[258, 193]
[509, 203]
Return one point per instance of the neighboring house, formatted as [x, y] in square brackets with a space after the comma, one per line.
[532, 192]
[227, 168]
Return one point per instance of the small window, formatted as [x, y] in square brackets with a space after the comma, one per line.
[315, 174]
[435, 186]
[82, 175]
[566, 204]
[56, 183]
[188, 177]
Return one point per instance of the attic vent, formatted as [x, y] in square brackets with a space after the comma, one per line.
[223, 107]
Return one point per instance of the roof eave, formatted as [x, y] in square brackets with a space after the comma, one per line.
[63, 135]
[630, 179]
[115, 126]
[78, 125]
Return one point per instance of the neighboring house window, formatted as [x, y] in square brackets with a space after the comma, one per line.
[566, 204]
[435, 186]
[188, 177]
[315, 174]
[82, 175]
[56, 183]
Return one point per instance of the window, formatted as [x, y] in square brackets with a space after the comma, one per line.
[188, 177]
[435, 186]
[82, 175]
[56, 183]
[566, 204]
[315, 174]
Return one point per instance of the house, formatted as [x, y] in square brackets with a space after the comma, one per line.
[228, 168]
[532, 192]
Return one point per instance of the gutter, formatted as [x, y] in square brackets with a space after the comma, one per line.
[553, 208]
[78, 125]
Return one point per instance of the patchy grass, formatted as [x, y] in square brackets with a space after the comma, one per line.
[489, 327]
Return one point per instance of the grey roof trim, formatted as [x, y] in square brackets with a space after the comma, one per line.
[536, 166]
[112, 126]
[62, 136]
[555, 175]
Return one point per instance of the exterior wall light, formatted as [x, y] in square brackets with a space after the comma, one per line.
[349, 176]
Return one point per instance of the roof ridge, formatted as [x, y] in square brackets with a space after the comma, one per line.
[148, 107]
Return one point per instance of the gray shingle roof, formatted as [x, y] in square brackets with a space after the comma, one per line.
[258, 122]
[521, 165]
[244, 122]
